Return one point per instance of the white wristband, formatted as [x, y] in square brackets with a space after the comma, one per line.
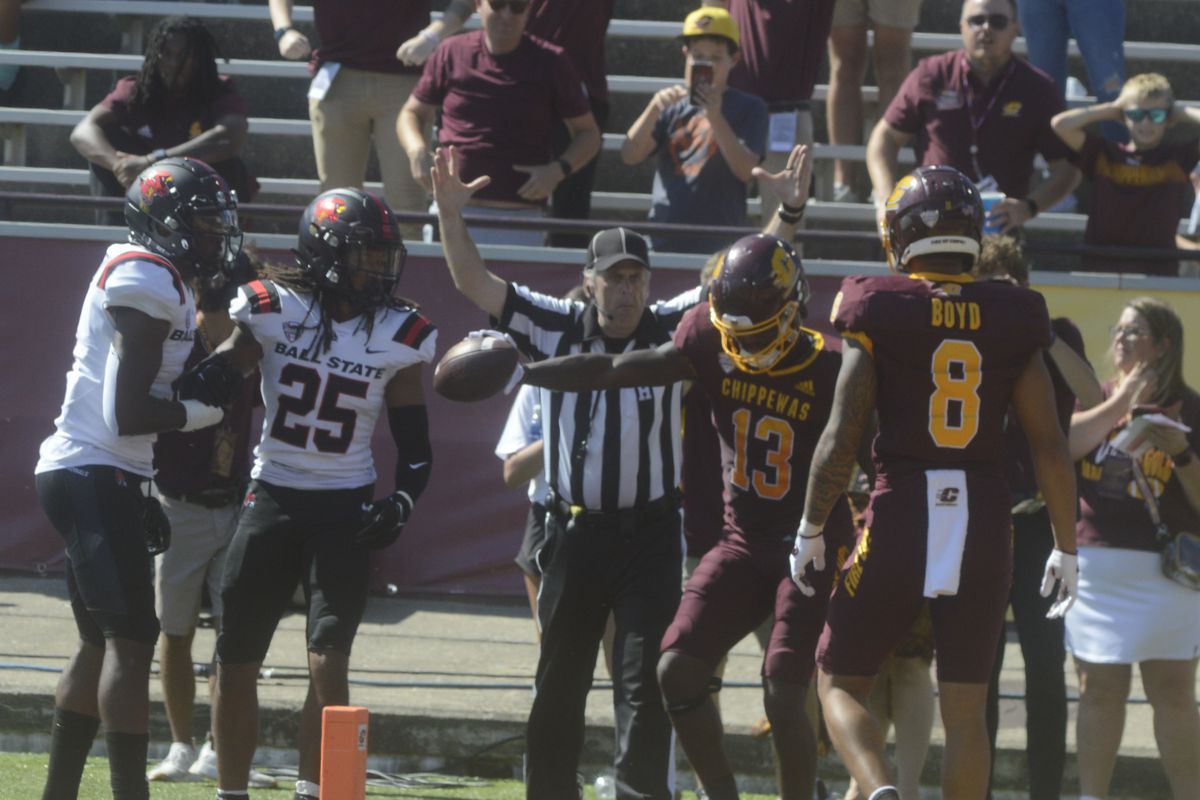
[200, 415]
[430, 37]
[809, 530]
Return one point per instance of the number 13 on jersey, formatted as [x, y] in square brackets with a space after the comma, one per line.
[957, 371]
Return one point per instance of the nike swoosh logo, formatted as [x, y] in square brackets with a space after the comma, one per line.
[418, 465]
[371, 352]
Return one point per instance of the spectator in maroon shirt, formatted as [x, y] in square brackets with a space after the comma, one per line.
[579, 28]
[782, 49]
[501, 92]
[981, 111]
[1139, 189]
[363, 73]
[176, 106]
[200, 477]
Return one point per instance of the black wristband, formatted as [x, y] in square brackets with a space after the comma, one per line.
[791, 214]
[1184, 458]
[279, 32]
[566, 167]
[1033, 206]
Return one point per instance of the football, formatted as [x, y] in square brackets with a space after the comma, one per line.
[474, 369]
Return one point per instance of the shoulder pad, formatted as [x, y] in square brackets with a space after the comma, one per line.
[146, 257]
[414, 330]
[262, 296]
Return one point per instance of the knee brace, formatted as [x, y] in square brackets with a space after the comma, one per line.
[683, 706]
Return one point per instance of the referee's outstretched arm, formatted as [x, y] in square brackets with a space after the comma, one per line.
[584, 371]
[471, 276]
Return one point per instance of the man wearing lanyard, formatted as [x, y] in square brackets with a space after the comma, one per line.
[983, 112]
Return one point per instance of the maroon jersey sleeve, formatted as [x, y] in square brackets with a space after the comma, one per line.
[849, 306]
[688, 333]
[118, 99]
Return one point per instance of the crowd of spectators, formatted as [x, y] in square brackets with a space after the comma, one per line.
[525, 100]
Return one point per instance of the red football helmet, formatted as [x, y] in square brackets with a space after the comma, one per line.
[757, 301]
[932, 210]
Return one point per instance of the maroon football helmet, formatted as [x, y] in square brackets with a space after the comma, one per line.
[757, 301]
[932, 210]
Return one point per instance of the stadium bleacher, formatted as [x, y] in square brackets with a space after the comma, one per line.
[278, 145]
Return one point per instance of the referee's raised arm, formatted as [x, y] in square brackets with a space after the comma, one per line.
[471, 276]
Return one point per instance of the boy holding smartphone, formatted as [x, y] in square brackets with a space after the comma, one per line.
[706, 135]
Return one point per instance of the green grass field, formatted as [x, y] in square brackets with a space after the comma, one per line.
[25, 774]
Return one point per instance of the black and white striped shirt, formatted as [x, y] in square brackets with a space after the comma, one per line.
[613, 449]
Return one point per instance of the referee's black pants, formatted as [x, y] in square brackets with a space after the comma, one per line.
[628, 564]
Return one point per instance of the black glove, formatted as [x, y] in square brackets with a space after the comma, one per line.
[212, 298]
[382, 521]
[155, 526]
[214, 381]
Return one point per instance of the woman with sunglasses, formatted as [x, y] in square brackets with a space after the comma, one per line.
[1127, 611]
[1140, 189]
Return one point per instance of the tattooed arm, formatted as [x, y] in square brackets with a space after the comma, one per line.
[838, 448]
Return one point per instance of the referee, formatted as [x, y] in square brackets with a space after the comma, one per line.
[613, 539]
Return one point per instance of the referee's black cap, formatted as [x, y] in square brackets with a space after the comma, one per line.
[615, 245]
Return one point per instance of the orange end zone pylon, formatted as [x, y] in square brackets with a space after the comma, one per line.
[344, 752]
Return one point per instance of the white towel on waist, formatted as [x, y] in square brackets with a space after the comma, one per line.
[947, 534]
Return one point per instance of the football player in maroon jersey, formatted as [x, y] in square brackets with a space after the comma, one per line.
[770, 382]
[940, 359]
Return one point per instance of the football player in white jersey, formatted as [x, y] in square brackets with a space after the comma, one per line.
[134, 334]
[335, 347]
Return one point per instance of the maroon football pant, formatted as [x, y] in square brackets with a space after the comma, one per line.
[880, 590]
[735, 587]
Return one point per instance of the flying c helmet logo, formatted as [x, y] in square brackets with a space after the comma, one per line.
[783, 268]
[901, 187]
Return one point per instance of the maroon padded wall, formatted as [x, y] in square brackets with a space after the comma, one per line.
[468, 524]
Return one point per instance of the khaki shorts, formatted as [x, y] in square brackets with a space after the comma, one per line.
[878, 13]
[199, 539]
[360, 109]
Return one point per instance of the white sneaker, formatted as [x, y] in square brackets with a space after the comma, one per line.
[205, 766]
[844, 194]
[175, 766]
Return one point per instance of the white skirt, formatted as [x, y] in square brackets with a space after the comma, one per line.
[1128, 612]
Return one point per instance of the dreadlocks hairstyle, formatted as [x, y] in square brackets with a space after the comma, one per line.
[320, 313]
[201, 47]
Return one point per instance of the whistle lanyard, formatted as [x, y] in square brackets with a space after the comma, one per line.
[977, 122]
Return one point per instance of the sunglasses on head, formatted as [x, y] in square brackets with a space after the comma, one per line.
[515, 6]
[996, 22]
[1157, 115]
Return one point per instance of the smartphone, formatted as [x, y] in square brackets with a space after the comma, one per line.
[702, 78]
